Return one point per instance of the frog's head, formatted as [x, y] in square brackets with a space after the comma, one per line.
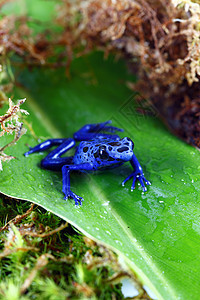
[116, 151]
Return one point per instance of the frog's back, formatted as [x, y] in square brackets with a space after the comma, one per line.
[104, 152]
[85, 152]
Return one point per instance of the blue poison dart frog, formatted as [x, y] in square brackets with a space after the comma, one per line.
[99, 149]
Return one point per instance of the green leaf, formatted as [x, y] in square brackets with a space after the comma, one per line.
[157, 233]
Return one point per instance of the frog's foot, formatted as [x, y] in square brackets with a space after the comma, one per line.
[111, 129]
[137, 176]
[78, 200]
[101, 130]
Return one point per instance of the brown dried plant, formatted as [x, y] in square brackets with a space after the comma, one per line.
[160, 39]
[10, 124]
[16, 38]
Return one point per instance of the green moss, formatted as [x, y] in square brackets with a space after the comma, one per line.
[57, 263]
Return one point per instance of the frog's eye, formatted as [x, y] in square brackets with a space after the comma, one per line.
[103, 154]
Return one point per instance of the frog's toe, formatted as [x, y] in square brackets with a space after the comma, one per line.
[147, 181]
[102, 126]
[113, 129]
[142, 179]
[133, 184]
[28, 152]
[127, 178]
[105, 123]
[78, 200]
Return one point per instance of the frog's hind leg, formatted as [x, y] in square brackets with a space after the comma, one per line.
[54, 161]
[90, 131]
[45, 145]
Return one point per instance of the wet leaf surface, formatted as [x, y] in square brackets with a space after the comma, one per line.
[157, 232]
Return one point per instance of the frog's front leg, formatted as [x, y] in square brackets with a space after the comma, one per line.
[66, 180]
[137, 174]
[91, 131]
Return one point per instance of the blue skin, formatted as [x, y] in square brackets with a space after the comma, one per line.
[97, 150]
